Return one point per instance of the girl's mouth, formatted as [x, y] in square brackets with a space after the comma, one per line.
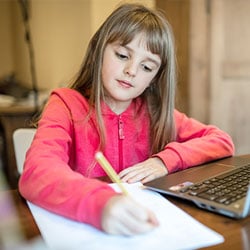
[125, 84]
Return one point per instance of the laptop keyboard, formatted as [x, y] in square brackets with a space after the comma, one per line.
[225, 188]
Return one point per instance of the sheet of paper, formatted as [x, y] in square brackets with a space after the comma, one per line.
[177, 229]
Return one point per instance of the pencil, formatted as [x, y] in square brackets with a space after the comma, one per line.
[110, 171]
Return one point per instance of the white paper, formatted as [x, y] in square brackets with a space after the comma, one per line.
[177, 229]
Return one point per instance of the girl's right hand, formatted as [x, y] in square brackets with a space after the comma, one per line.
[123, 216]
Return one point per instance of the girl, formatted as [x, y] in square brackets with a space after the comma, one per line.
[122, 103]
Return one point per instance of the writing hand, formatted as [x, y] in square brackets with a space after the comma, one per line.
[144, 171]
[122, 215]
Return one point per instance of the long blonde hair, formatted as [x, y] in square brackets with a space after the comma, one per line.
[123, 24]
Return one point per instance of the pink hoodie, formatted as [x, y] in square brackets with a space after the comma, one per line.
[60, 169]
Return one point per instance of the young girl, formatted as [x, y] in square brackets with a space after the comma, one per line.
[122, 103]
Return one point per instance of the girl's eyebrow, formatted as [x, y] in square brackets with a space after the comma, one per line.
[148, 58]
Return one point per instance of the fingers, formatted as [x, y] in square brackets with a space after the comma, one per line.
[138, 221]
[146, 171]
[135, 174]
[124, 216]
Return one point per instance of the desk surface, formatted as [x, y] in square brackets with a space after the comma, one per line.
[235, 232]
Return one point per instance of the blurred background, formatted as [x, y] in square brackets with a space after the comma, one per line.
[43, 43]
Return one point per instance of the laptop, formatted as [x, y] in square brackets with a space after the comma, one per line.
[221, 186]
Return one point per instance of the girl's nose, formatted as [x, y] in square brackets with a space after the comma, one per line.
[130, 69]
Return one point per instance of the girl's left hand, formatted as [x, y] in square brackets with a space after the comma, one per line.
[144, 171]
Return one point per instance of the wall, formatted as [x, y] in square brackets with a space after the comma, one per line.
[6, 44]
[219, 65]
[100, 9]
[60, 32]
[177, 14]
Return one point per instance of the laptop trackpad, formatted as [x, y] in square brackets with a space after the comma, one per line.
[188, 176]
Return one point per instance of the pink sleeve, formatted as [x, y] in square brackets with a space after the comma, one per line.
[49, 181]
[195, 144]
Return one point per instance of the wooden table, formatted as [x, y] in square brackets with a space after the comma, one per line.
[235, 232]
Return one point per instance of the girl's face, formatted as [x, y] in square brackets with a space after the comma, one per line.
[127, 71]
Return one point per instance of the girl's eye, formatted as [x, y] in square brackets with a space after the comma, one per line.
[121, 56]
[146, 68]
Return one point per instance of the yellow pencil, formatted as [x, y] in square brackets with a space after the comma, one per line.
[110, 171]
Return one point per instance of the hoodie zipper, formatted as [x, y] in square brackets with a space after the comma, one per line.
[120, 141]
